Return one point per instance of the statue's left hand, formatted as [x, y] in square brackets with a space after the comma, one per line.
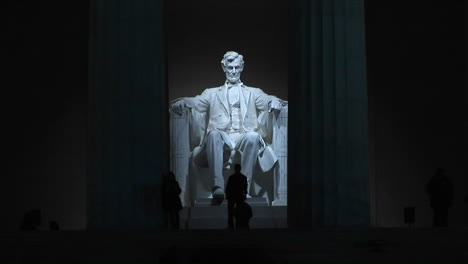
[275, 105]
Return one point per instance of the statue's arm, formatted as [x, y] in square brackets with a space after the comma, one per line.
[265, 102]
[195, 109]
[200, 103]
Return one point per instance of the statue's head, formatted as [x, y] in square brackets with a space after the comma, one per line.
[232, 64]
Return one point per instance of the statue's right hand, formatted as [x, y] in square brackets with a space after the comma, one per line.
[178, 107]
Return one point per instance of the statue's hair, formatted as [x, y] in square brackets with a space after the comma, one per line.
[230, 56]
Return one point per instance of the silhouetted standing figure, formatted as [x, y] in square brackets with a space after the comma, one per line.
[170, 199]
[236, 191]
[31, 220]
[440, 191]
[243, 213]
[54, 225]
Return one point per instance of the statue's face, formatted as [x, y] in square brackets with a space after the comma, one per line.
[233, 70]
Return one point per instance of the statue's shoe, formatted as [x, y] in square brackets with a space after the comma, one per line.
[218, 193]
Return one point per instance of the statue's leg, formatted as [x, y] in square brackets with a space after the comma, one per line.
[214, 147]
[248, 146]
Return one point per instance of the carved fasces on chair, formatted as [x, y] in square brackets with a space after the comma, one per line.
[185, 137]
[180, 152]
[280, 145]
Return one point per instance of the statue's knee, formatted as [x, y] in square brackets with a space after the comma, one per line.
[214, 134]
[252, 138]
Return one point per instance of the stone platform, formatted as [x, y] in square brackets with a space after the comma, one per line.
[207, 214]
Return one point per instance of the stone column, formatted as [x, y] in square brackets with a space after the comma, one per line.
[328, 142]
[128, 116]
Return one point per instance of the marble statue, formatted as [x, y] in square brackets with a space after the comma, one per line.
[231, 123]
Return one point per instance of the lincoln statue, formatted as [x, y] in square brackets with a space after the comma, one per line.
[235, 124]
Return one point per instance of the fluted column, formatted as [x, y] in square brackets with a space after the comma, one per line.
[328, 142]
[128, 117]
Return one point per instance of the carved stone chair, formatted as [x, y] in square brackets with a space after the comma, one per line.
[271, 184]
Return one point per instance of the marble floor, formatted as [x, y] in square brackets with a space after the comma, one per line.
[224, 246]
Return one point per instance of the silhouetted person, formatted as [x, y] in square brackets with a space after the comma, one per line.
[243, 213]
[54, 225]
[31, 220]
[236, 191]
[170, 199]
[440, 191]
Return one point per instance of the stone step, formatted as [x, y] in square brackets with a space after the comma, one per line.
[221, 211]
[254, 201]
[215, 217]
[221, 223]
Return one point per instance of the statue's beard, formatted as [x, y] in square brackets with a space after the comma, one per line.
[233, 78]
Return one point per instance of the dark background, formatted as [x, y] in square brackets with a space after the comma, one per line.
[200, 32]
[417, 82]
[418, 105]
[44, 108]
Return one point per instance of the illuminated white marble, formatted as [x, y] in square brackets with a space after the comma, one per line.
[232, 123]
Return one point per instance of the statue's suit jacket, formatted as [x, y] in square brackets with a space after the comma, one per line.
[210, 111]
